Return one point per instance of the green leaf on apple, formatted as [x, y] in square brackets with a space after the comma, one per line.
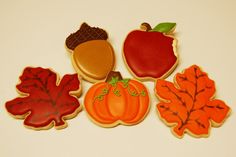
[166, 27]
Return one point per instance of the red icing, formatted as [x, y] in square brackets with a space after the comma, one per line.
[149, 54]
[43, 99]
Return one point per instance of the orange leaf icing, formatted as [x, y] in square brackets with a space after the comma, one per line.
[188, 105]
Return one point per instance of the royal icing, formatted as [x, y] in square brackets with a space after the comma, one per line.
[92, 55]
[117, 101]
[150, 54]
[189, 105]
[44, 102]
[94, 58]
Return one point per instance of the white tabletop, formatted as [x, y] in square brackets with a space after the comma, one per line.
[32, 33]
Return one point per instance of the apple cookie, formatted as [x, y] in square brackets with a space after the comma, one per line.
[92, 55]
[117, 101]
[151, 53]
[45, 102]
[188, 105]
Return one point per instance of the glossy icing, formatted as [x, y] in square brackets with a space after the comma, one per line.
[120, 101]
[149, 54]
[94, 58]
[43, 101]
[92, 55]
[85, 33]
[167, 27]
[188, 105]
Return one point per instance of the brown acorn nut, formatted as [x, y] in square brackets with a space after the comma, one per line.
[92, 55]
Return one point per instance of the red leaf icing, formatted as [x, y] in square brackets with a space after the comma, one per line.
[189, 106]
[150, 54]
[44, 103]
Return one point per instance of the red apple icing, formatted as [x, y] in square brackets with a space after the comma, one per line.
[43, 102]
[149, 54]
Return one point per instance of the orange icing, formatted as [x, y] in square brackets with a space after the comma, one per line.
[94, 59]
[124, 102]
[188, 106]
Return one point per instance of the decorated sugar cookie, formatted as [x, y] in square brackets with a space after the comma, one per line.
[188, 105]
[151, 53]
[45, 100]
[117, 101]
[92, 55]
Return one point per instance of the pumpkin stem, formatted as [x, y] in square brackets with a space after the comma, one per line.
[113, 74]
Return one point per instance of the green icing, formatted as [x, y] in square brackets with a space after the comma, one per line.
[113, 82]
[125, 82]
[116, 92]
[143, 93]
[132, 93]
[101, 96]
[164, 27]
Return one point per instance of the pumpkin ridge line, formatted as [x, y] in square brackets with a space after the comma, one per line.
[98, 114]
[136, 114]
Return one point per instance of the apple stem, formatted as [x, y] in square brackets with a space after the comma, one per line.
[145, 26]
[113, 74]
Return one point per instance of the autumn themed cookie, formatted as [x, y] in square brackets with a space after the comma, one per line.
[188, 105]
[92, 55]
[117, 101]
[45, 100]
[150, 53]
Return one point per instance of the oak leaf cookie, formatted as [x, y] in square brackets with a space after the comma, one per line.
[92, 55]
[117, 101]
[151, 53]
[188, 105]
[45, 101]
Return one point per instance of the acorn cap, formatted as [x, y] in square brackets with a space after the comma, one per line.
[85, 33]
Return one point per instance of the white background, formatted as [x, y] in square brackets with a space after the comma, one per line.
[32, 33]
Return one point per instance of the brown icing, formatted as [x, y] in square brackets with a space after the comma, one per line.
[115, 74]
[94, 58]
[85, 33]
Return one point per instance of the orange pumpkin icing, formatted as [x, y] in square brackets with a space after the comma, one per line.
[116, 102]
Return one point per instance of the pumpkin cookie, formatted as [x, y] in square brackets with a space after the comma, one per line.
[92, 55]
[117, 101]
[188, 105]
[151, 53]
[45, 102]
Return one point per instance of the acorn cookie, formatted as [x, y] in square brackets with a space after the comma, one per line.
[92, 55]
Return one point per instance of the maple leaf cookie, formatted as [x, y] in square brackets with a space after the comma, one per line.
[45, 101]
[92, 55]
[188, 105]
[117, 101]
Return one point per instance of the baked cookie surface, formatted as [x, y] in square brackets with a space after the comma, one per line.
[45, 101]
[117, 101]
[188, 104]
[92, 55]
[151, 53]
